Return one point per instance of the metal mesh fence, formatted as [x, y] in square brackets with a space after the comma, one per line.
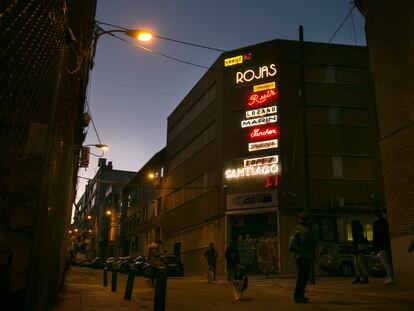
[44, 60]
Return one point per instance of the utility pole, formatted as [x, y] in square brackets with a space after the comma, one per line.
[307, 195]
[302, 94]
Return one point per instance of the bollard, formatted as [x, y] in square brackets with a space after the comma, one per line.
[105, 277]
[114, 275]
[129, 285]
[160, 289]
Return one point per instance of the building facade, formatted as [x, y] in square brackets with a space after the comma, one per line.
[268, 128]
[141, 212]
[389, 31]
[44, 73]
[97, 212]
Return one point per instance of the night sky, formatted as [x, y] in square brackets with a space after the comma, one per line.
[132, 92]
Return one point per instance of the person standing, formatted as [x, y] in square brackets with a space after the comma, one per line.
[211, 256]
[303, 249]
[232, 258]
[154, 258]
[360, 245]
[381, 243]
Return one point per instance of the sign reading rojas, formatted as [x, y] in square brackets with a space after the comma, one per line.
[262, 72]
[259, 121]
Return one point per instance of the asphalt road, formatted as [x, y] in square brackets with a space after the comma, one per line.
[84, 291]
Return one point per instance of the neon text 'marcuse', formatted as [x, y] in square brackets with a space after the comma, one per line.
[261, 73]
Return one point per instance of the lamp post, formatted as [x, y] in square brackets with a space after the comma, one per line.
[86, 152]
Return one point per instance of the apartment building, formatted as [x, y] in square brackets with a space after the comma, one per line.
[267, 129]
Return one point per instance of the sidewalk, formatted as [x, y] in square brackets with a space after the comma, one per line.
[84, 291]
[334, 286]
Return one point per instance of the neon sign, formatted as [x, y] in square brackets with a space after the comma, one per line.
[261, 112]
[259, 121]
[265, 86]
[233, 61]
[261, 161]
[269, 132]
[261, 99]
[252, 171]
[267, 144]
[269, 182]
[261, 73]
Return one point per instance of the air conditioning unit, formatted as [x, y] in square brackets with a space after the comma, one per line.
[337, 202]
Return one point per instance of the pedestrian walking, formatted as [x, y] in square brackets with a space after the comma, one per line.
[239, 280]
[302, 244]
[381, 243]
[232, 258]
[211, 256]
[360, 245]
[154, 259]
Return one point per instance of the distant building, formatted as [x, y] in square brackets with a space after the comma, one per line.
[97, 210]
[236, 154]
[141, 212]
[390, 31]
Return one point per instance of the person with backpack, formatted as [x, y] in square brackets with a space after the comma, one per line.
[211, 255]
[360, 245]
[302, 244]
[232, 258]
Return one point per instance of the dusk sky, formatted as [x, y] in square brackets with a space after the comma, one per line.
[132, 92]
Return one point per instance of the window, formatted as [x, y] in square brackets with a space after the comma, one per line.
[191, 190]
[337, 167]
[207, 135]
[193, 112]
[329, 74]
[325, 228]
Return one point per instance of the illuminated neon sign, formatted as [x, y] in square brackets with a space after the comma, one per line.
[261, 161]
[263, 98]
[268, 132]
[265, 86]
[261, 112]
[261, 145]
[233, 61]
[252, 171]
[269, 182]
[259, 121]
[261, 73]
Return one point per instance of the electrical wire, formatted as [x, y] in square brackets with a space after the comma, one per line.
[333, 36]
[170, 39]
[93, 123]
[159, 53]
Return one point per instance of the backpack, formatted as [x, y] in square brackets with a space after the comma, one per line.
[295, 243]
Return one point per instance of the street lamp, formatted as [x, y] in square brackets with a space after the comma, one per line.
[86, 151]
[143, 35]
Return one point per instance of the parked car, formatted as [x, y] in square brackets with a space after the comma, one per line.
[338, 259]
[123, 264]
[110, 262]
[173, 264]
[139, 265]
[97, 263]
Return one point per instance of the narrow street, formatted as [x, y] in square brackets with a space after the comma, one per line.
[84, 291]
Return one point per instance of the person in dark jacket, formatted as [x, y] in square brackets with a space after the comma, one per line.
[381, 243]
[360, 244]
[304, 255]
[211, 256]
[232, 258]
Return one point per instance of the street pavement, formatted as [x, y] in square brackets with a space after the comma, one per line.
[84, 291]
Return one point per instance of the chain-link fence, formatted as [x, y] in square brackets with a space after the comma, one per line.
[44, 68]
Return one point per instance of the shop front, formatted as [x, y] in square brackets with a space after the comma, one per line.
[252, 222]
